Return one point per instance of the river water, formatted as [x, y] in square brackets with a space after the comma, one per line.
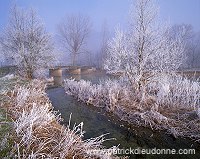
[97, 121]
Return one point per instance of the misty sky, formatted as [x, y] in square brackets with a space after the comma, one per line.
[113, 12]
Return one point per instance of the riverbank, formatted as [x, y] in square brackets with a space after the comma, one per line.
[98, 121]
[35, 128]
[176, 112]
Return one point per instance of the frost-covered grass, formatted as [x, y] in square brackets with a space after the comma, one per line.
[9, 81]
[170, 102]
[107, 94]
[5, 128]
[7, 70]
[4, 71]
[37, 132]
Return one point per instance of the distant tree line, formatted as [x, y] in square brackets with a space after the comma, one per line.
[25, 42]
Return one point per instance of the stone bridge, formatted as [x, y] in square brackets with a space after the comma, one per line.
[58, 71]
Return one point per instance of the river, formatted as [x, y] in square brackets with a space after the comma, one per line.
[97, 121]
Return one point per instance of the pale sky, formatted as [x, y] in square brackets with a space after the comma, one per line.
[114, 12]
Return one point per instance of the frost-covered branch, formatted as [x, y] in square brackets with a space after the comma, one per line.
[145, 50]
[26, 43]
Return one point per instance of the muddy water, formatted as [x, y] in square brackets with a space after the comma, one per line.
[97, 121]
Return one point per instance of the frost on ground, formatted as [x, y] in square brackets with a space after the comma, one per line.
[36, 132]
[147, 56]
[172, 105]
[10, 81]
[5, 128]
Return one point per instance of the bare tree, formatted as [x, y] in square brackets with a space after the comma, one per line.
[74, 32]
[146, 49]
[26, 42]
[188, 38]
[191, 40]
[193, 51]
[197, 50]
[101, 55]
[1, 57]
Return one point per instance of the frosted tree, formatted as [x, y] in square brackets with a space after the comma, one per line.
[73, 33]
[145, 50]
[1, 56]
[103, 45]
[191, 41]
[26, 43]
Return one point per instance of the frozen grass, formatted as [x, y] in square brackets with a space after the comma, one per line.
[4, 71]
[107, 94]
[37, 132]
[170, 102]
[5, 140]
[7, 83]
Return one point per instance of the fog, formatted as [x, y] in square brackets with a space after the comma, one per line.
[109, 13]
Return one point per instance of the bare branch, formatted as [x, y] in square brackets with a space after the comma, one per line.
[146, 49]
[26, 42]
[74, 32]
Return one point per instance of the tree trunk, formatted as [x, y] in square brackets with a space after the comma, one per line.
[74, 59]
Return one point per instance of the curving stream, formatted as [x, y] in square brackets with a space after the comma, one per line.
[97, 121]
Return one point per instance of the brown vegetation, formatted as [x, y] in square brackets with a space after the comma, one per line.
[37, 132]
[172, 106]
